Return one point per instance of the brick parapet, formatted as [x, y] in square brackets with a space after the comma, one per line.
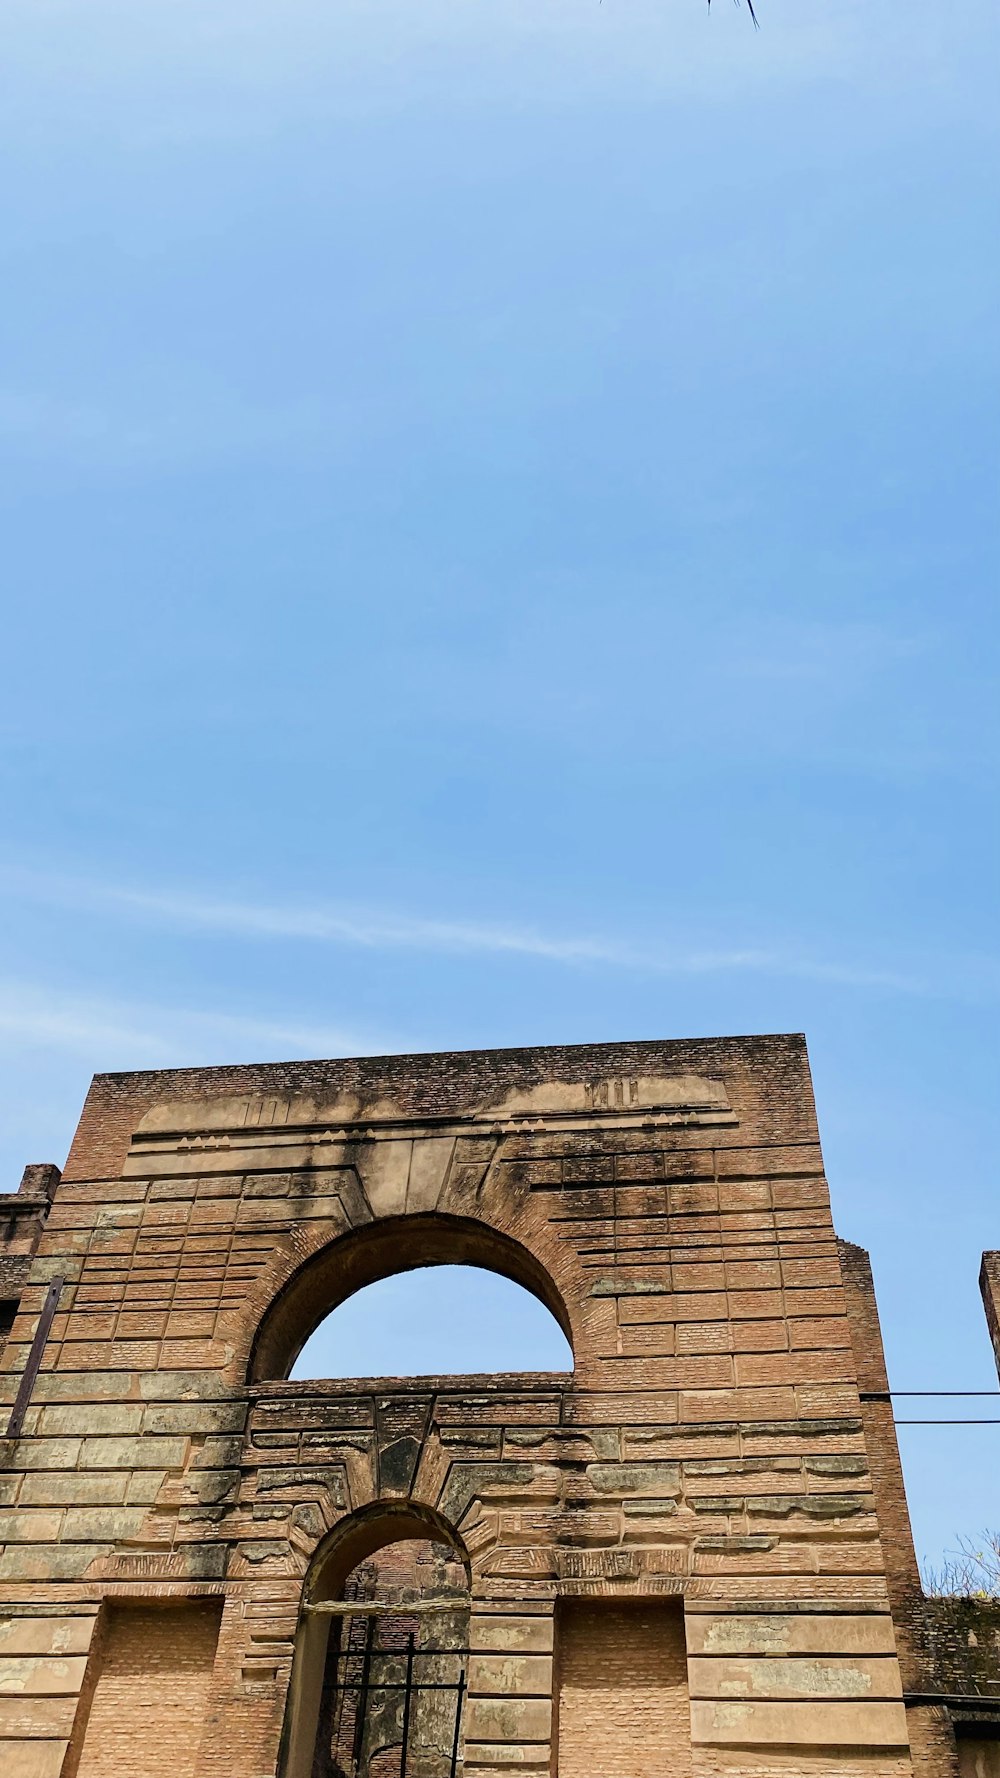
[772, 1074]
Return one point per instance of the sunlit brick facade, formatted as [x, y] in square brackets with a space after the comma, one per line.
[690, 1556]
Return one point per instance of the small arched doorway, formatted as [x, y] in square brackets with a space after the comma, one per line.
[379, 1681]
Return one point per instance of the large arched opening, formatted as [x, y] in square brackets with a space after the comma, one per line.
[378, 1681]
[385, 1250]
[432, 1322]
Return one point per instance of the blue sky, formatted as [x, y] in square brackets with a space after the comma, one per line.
[500, 518]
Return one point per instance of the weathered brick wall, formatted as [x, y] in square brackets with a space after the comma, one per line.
[667, 1200]
[147, 1712]
[962, 1641]
[623, 1709]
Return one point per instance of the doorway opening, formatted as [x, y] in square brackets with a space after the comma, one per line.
[382, 1664]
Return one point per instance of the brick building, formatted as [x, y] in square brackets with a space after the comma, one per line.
[690, 1556]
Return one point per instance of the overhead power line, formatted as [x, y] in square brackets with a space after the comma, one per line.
[890, 1395]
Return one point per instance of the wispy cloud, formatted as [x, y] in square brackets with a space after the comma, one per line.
[114, 1034]
[380, 930]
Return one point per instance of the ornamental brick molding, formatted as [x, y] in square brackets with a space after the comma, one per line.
[690, 1556]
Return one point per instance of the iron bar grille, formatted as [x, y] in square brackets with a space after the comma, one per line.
[390, 1709]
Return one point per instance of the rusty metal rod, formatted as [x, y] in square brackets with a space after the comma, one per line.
[407, 1700]
[458, 1723]
[361, 1706]
[31, 1369]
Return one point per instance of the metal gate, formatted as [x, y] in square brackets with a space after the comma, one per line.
[393, 1710]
